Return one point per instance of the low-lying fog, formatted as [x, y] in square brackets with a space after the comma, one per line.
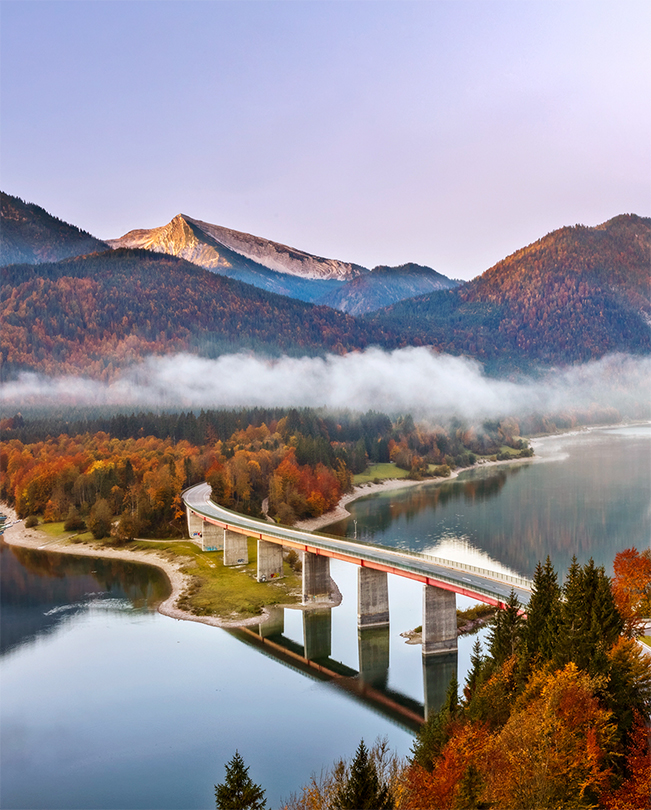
[414, 380]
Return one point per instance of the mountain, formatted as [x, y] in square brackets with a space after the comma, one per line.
[99, 313]
[384, 286]
[574, 295]
[285, 270]
[261, 262]
[29, 234]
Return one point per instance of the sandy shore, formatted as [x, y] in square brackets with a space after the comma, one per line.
[340, 512]
[18, 535]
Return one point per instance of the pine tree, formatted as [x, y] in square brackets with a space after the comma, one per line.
[506, 633]
[475, 673]
[238, 791]
[543, 614]
[362, 790]
[590, 621]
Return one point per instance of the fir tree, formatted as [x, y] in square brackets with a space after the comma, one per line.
[238, 791]
[361, 790]
[541, 630]
[506, 633]
[475, 673]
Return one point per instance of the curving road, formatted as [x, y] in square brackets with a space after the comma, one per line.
[480, 584]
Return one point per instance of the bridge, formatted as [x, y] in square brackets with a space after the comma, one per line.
[218, 528]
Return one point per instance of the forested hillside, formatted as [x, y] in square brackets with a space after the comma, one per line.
[98, 313]
[29, 234]
[573, 296]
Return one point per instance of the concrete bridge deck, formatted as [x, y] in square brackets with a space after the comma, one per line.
[483, 585]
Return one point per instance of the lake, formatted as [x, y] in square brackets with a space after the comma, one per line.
[107, 704]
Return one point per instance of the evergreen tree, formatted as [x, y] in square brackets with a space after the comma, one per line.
[238, 791]
[432, 736]
[540, 632]
[475, 673]
[468, 794]
[506, 632]
[590, 622]
[361, 790]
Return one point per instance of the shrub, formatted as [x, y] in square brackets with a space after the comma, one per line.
[74, 521]
[31, 521]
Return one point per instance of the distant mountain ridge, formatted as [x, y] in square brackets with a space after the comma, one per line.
[384, 286]
[98, 314]
[285, 270]
[572, 296]
[29, 234]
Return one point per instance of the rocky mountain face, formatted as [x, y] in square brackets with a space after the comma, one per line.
[28, 234]
[285, 270]
[384, 286]
[219, 249]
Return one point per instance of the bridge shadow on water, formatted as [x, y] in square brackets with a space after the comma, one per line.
[367, 684]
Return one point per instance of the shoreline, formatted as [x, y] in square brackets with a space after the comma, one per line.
[17, 535]
[340, 512]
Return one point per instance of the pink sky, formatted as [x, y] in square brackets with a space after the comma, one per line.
[446, 133]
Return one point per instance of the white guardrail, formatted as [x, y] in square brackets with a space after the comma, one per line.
[320, 540]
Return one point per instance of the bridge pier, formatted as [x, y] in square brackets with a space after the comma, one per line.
[195, 524]
[275, 624]
[213, 536]
[438, 671]
[373, 647]
[439, 621]
[316, 577]
[270, 560]
[317, 633]
[372, 598]
[236, 548]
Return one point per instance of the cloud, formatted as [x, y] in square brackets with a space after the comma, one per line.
[414, 380]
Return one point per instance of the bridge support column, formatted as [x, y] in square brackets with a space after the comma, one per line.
[316, 577]
[438, 671]
[317, 633]
[236, 549]
[195, 524]
[270, 560]
[439, 621]
[213, 536]
[372, 598]
[275, 624]
[373, 646]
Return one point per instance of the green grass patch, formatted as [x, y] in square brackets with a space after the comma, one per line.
[55, 531]
[225, 591]
[646, 640]
[379, 471]
[478, 611]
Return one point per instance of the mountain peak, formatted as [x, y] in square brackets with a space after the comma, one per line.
[203, 243]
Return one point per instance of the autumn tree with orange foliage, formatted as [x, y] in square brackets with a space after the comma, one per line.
[556, 723]
[632, 588]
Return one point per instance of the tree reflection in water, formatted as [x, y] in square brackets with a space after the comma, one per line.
[40, 590]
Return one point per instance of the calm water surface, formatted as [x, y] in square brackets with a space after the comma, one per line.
[107, 704]
[587, 494]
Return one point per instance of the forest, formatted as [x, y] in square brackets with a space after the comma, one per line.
[570, 297]
[553, 714]
[132, 469]
[97, 314]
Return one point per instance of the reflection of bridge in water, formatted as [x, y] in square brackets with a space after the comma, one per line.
[217, 528]
[368, 684]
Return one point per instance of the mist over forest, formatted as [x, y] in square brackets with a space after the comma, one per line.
[428, 385]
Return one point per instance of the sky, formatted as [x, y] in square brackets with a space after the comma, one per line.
[446, 133]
